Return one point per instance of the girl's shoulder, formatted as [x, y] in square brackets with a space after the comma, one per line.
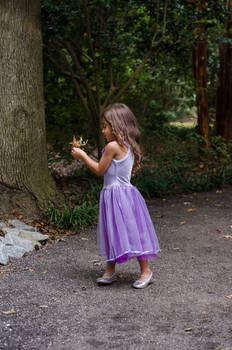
[113, 145]
[111, 148]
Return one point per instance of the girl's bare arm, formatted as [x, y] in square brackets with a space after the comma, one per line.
[100, 167]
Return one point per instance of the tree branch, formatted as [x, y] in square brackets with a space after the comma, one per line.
[57, 66]
[92, 50]
[82, 74]
[146, 57]
[70, 75]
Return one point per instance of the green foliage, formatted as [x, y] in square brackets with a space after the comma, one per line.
[82, 208]
[158, 182]
[75, 218]
[180, 166]
[177, 165]
[121, 34]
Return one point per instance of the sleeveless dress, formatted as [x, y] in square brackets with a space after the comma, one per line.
[125, 229]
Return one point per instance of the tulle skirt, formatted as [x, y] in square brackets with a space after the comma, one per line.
[125, 229]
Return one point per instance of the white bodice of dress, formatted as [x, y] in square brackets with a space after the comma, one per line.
[119, 171]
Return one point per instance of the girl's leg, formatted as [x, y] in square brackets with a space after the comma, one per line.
[145, 269]
[110, 269]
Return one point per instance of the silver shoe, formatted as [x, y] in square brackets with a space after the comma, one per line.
[107, 280]
[140, 284]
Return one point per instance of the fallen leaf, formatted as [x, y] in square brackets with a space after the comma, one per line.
[84, 239]
[188, 329]
[31, 270]
[68, 233]
[229, 296]
[10, 312]
[52, 230]
[219, 229]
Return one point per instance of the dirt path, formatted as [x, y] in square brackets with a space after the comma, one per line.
[58, 305]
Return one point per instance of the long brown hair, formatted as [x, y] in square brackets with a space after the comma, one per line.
[125, 129]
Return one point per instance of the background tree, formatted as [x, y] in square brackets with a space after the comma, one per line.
[224, 91]
[200, 73]
[104, 50]
[23, 158]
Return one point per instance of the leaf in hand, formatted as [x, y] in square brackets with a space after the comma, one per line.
[78, 143]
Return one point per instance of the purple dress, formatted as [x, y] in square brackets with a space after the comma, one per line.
[125, 229]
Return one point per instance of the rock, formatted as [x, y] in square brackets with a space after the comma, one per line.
[3, 254]
[2, 225]
[15, 251]
[14, 231]
[21, 225]
[33, 236]
[15, 240]
[18, 240]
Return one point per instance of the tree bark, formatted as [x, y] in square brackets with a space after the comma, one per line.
[224, 91]
[23, 156]
[200, 77]
[199, 56]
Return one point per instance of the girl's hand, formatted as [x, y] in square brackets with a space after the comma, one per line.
[77, 153]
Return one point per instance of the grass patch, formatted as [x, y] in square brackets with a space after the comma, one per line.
[189, 124]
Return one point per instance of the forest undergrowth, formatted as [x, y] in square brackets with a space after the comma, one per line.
[174, 162]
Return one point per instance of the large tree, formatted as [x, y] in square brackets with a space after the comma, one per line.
[23, 159]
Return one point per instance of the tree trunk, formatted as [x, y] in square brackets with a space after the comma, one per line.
[200, 77]
[199, 58]
[224, 91]
[23, 158]
[100, 137]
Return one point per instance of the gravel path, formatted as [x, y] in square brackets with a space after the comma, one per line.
[53, 301]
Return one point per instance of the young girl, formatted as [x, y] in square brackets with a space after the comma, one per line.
[125, 229]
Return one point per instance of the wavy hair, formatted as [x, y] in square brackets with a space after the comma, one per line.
[125, 129]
